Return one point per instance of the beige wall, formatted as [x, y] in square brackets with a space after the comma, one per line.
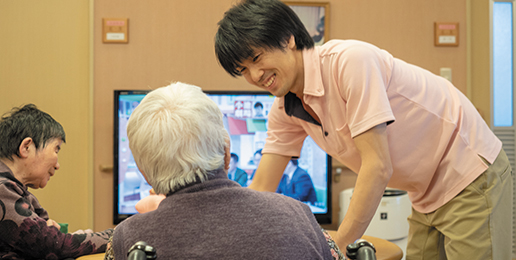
[44, 59]
[479, 63]
[405, 29]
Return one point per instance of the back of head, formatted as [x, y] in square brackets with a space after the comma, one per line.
[177, 136]
[255, 24]
[23, 122]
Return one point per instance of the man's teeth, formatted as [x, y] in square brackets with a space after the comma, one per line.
[270, 81]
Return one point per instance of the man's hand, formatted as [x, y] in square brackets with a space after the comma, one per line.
[80, 231]
[149, 203]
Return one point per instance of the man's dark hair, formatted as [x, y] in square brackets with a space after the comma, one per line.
[23, 122]
[255, 24]
[258, 104]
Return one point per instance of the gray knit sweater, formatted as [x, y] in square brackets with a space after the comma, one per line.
[218, 219]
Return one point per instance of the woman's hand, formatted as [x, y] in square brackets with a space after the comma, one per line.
[80, 231]
[51, 222]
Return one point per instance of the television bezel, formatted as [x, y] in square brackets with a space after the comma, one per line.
[322, 218]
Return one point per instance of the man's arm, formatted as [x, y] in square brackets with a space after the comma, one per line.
[269, 172]
[374, 174]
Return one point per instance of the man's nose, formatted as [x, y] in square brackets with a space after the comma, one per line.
[256, 74]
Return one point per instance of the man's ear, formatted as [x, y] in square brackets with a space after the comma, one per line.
[292, 43]
[25, 147]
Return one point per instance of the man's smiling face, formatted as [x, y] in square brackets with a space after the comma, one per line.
[275, 71]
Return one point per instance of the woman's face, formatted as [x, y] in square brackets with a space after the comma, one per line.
[42, 164]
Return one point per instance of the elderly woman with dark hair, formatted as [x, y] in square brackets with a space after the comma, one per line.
[30, 141]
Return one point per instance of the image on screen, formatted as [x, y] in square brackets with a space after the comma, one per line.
[245, 118]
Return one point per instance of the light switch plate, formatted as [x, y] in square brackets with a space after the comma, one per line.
[446, 73]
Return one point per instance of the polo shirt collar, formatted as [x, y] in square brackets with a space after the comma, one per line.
[293, 107]
[313, 77]
[313, 84]
[312, 87]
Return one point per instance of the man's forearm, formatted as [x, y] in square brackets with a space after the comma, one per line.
[364, 202]
[269, 172]
[375, 172]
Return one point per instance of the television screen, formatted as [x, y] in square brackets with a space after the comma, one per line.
[245, 119]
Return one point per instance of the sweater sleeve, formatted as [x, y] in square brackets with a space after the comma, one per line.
[25, 233]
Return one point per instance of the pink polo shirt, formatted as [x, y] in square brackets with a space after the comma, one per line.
[435, 136]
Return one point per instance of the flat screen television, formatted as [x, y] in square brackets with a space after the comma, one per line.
[245, 118]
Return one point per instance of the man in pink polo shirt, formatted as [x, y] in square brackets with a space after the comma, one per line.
[393, 123]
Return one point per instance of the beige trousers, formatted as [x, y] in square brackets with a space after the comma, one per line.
[476, 224]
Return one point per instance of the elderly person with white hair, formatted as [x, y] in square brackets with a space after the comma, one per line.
[181, 147]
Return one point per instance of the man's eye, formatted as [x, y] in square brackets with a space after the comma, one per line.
[256, 58]
[241, 70]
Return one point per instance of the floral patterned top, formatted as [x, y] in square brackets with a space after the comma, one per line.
[335, 251]
[24, 231]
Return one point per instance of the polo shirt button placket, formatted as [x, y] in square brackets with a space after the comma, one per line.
[324, 132]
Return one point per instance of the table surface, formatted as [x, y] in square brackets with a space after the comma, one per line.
[92, 257]
[385, 250]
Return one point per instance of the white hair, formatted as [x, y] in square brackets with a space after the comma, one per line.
[176, 135]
